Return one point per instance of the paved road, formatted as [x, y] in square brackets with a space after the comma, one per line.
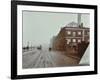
[45, 58]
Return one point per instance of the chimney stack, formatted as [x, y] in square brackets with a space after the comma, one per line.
[79, 19]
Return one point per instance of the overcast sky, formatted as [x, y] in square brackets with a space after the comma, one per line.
[40, 27]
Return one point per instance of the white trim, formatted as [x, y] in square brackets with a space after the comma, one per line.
[73, 37]
[58, 69]
[75, 28]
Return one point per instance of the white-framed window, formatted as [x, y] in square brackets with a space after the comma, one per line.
[74, 33]
[68, 41]
[69, 32]
[79, 40]
[79, 33]
[74, 40]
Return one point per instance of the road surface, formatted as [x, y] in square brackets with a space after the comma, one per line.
[44, 58]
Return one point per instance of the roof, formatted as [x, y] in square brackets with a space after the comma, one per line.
[76, 27]
[72, 24]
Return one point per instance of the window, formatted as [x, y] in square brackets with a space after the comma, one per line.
[74, 40]
[74, 33]
[79, 33]
[79, 40]
[68, 41]
[69, 32]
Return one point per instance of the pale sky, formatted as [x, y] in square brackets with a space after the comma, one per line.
[40, 27]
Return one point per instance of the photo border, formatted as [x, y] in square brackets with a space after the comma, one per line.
[14, 32]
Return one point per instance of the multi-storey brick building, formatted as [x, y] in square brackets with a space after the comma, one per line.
[72, 40]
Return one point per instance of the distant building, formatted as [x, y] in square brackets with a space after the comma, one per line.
[73, 39]
[72, 36]
[70, 39]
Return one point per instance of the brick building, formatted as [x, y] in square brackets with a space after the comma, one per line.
[72, 40]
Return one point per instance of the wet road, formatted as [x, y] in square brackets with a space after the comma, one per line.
[45, 58]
